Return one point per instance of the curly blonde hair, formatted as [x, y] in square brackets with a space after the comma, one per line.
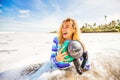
[75, 35]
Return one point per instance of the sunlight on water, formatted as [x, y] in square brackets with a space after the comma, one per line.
[23, 53]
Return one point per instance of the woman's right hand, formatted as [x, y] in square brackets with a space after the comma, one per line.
[60, 56]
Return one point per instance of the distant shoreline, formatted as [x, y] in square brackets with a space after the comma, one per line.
[49, 32]
[88, 32]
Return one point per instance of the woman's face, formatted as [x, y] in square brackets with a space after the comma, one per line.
[67, 30]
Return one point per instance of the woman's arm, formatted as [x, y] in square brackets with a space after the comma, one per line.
[54, 54]
[85, 63]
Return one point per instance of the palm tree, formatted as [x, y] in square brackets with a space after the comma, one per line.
[94, 24]
[105, 19]
[113, 22]
[118, 22]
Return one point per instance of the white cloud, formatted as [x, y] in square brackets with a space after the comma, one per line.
[55, 5]
[101, 3]
[46, 24]
[99, 8]
[24, 13]
[41, 25]
[90, 11]
[38, 4]
[92, 6]
[86, 11]
[114, 16]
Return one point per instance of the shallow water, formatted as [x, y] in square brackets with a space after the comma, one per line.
[19, 50]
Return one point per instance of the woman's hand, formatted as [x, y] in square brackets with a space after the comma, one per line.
[60, 56]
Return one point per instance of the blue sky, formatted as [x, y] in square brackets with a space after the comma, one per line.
[47, 15]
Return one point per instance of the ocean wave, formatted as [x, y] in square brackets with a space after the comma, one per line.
[104, 67]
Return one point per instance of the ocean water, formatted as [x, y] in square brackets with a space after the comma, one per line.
[22, 53]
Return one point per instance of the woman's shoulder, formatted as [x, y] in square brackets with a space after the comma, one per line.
[55, 37]
[56, 40]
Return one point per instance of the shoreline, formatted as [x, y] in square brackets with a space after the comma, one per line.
[88, 32]
[53, 32]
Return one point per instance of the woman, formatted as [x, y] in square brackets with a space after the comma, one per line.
[68, 31]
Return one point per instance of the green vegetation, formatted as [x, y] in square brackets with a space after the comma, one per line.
[113, 26]
[53, 32]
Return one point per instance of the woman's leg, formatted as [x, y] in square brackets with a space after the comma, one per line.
[47, 67]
